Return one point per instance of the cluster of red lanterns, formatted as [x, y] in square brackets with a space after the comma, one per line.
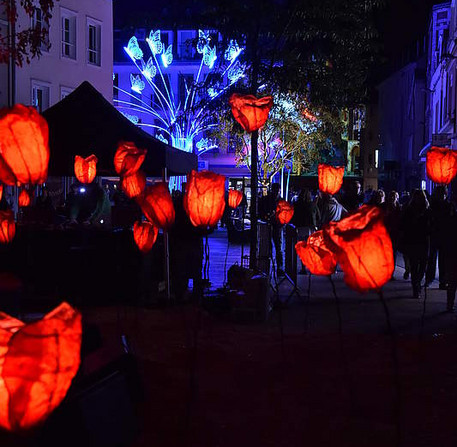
[441, 165]
[359, 243]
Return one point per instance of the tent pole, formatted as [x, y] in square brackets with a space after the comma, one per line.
[166, 249]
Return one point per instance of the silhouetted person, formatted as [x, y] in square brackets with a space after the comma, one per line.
[353, 197]
[416, 227]
[392, 220]
[330, 209]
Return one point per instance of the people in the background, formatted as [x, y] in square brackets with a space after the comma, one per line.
[392, 220]
[353, 197]
[330, 209]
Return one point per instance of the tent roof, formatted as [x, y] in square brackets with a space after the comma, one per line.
[85, 123]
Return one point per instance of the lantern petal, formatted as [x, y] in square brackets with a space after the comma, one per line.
[38, 363]
[145, 235]
[157, 205]
[24, 198]
[7, 226]
[330, 178]
[128, 158]
[234, 198]
[251, 113]
[315, 255]
[134, 185]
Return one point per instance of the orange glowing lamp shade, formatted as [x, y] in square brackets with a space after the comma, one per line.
[38, 361]
[284, 212]
[363, 248]
[204, 199]
[86, 168]
[128, 158]
[157, 205]
[250, 112]
[441, 165]
[134, 185]
[315, 255]
[330, 178]
[234, 198]
[145, 235]
[24, 198]
[7, 226]
[24, 148]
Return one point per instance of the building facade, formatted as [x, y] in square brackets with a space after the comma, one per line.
[81, 38]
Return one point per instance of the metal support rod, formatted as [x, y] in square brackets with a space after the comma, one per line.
[166, 250]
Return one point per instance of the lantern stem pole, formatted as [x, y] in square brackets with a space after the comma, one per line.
[254, 192]
[308, 297]
[396, 368]
[166, 248]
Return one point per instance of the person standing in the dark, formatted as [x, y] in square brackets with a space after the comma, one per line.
[330, 209]
[441, 210]
[392, 220]
[416, 227]
[267, 211]
[353, 197]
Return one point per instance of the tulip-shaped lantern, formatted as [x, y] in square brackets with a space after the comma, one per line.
[315, 255]
[330, 178]
[441, 164]
[133, 185]
[234, 198]
[38, 361]
[145, 235]
[24, 150]
[86, 168]
[284, 212]
[204, 198]
[7, 226]
[250, 112]
[24, 198]
[128, 158]
[363, 248]
[157, 205]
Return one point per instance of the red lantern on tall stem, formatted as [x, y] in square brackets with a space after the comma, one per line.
[38, 361]
[363, 248]
[24, 198]
[145, 235]
[250, 112]
[133, 185]
[330, 178]
[441, 164]
[284, 212]
[204, 198]
[7, 227]
[234, 198]
[128, 158]
[86, 168]
[24, 150]
[1, 191]
[157, 205]
[315, 255]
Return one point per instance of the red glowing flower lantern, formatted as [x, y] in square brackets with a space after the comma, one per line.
[284, 212]
[24, 198]
[24, 150]
[204, 198]
[441, 164]
[128, 158]
[330, 178]
[363, 248]
[7, 226]
[1, 191]
[249, 111]
[133, 185]
[86, 168]
[315, 255]
[157, 205]
[234, 198]
[145, 235]
[38, 361]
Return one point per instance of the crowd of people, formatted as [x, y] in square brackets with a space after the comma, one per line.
[423, 228]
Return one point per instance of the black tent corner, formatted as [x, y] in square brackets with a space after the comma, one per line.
[85, 123]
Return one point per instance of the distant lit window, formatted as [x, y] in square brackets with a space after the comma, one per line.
[40, 95]
[40, 25]
[423, 185]
[68, 34]
[376, 158]
[64, 92]
[93, 43]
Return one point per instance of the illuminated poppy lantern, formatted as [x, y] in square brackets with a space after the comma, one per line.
[204, 198]
[441, 164]
[145, 235]
[250, 112]
[315, 255]
[234, 198]
[363, 248]
[7, 226]
[1, 191]
[24, 198]
[38, 361]
[330, 178]
[284, 212]
[128, 158]
[86, 168]
[133, 185]
[157, 205]
[24, 149]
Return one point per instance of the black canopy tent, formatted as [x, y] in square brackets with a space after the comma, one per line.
[85, 123]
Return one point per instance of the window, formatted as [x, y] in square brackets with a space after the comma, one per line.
[68, 34]
[186, 50]
[40, 95]
[39, 24]
[64, 92]
[93, 43]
